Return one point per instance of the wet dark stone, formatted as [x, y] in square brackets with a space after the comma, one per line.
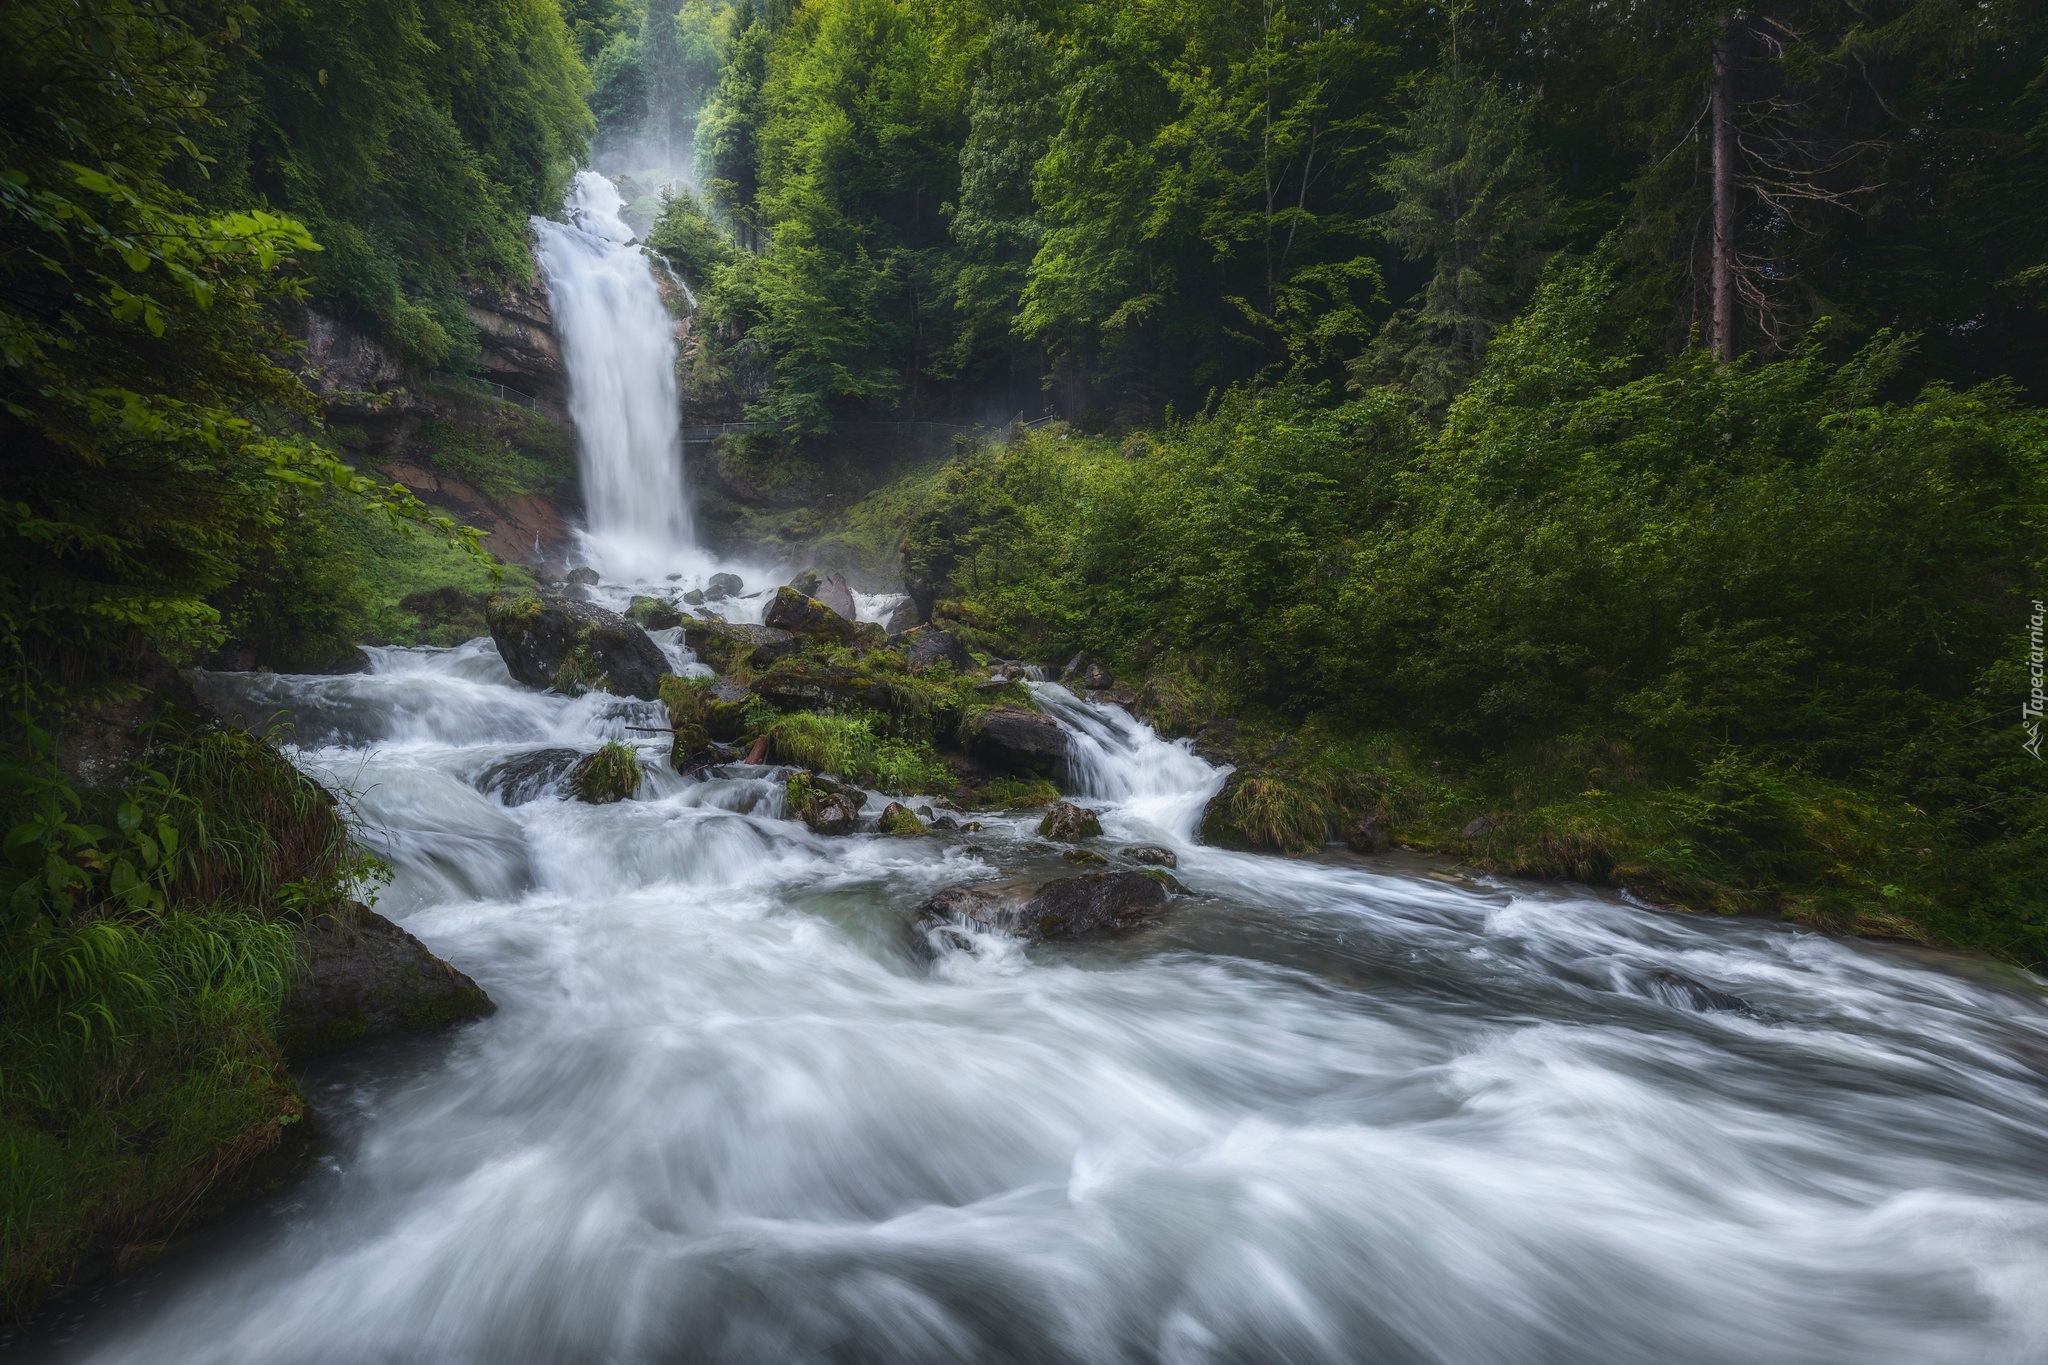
[1014, 739]
[927, 648]
[1084, 673]
[527, 777]
[1682, 992]
[725, 646]
[361, 978]
[1069, 823]
[1368, 834]
[1151, 855]
[574, 647]
[722, 586]
[1072, 907]
[809, 618]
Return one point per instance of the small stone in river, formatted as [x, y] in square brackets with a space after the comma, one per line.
[1069, 823]
[1084, 857]
[1150, 855]
[946, 822]
[723, 585]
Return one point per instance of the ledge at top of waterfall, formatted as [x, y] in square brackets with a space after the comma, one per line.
[619, 348]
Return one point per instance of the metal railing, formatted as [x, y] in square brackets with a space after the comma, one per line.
[491, 387]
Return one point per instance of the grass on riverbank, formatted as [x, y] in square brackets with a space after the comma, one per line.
[149, 939]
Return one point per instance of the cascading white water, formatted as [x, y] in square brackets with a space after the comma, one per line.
[618, 344]
[1321, 1113]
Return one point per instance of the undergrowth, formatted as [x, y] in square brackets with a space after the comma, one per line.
[146, 941]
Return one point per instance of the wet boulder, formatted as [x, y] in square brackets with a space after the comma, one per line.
[1015, 739]
[722, 586]
[898, 818]
[1094, 903]
[574, 647]
[652, 613]
[809, 619]
[928, 647]
[725, 646]
[528, 776]
[360, 977]
[1069, 823]
[1149, 855]
[1084, 857]
[822, 804]
[582, 578]
[836, 594]
[901, 618]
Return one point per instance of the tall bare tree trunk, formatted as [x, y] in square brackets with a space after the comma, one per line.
[1721, 337]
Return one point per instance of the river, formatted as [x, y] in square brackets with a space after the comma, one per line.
[1327, 1110]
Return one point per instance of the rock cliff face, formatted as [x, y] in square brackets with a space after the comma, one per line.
[516, 332]
[401, 416]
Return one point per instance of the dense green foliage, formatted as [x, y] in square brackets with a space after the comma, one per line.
[1755, 631]
[952, 210]
[149, 937]
[411, 138]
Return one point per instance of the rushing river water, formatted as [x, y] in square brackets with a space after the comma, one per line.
[1325, 1111]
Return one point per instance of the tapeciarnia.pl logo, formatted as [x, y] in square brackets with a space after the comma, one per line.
[2030, 710]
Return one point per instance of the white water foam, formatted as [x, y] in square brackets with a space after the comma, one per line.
[1321, 1113]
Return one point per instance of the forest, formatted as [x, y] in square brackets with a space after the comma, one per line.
[1603, 443]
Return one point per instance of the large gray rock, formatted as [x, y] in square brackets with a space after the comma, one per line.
[360, 977]
[902, 617]
[811, 619]
[725, 646]
[1014, 739]
[1072, 907]
[928, 648]
[836, 594]
[574, 647]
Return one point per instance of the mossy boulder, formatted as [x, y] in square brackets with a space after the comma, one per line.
[1266, 809]
[611, 774]
[574, 647]
[811, 620]
[928, 647]
[822, 804]
[1068, 823]
[360, 978]
[728, 647]
[898, 818]
[653, 613]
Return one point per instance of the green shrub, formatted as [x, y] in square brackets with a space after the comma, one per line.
[851, 746]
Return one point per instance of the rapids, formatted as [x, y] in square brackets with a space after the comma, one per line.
[1328, 1110]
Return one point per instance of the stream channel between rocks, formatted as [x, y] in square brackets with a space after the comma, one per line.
[1324, 1110]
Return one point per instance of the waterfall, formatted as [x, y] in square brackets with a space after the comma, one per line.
[618, 343]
